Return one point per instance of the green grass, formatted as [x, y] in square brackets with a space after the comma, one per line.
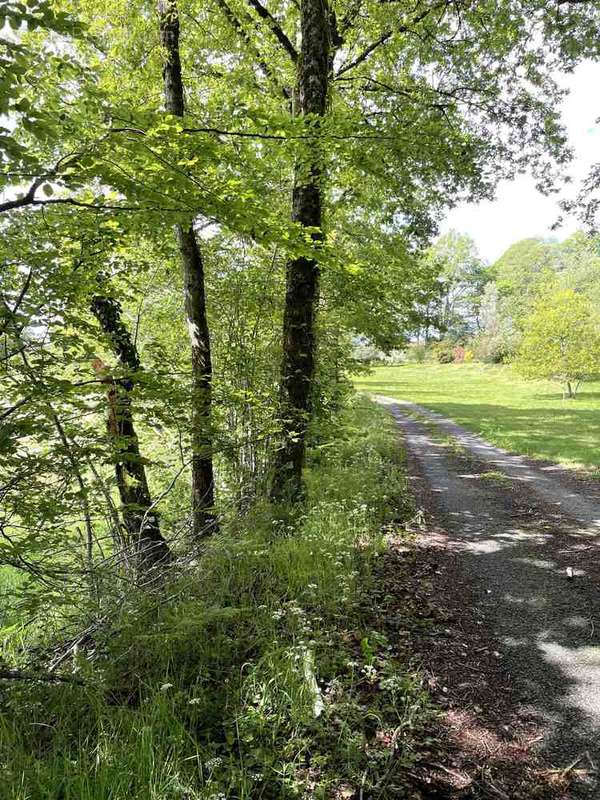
[263, 672]
[495, 477]
[528, 417]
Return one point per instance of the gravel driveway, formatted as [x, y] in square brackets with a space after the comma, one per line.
[519, 539]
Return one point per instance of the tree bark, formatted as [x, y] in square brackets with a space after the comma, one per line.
[203, 521]
[140, 519]
[302, 274]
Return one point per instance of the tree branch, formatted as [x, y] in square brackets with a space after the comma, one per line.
[365, 53]
[405, 28]
[243, 34]
[26, 200]
[70, 201]
[11, 312]
[278, 31]
[46, 677]
[15, 407]
[349, 17]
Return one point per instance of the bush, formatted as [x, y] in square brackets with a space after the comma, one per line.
[445, 356]
[490, 349]
[442, 352]
[458, 354]
[417, 353]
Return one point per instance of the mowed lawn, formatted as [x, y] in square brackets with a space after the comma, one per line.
[529, 417]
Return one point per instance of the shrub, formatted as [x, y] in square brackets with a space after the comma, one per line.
[491, 349]
[458, 354]
[417, 353]
[445, 356]
[442, 351]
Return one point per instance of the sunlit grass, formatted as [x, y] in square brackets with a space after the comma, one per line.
[529, 417]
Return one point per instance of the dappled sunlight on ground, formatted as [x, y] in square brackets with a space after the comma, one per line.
[523, 554]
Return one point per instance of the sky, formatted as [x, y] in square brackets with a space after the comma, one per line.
[519, 211]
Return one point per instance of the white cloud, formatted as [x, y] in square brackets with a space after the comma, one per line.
[519, 210]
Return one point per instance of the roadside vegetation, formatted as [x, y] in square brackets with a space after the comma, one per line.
[262, 671]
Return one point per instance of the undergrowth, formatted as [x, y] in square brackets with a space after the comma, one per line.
[263, 672]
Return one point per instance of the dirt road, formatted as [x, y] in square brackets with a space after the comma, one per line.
[526, 539]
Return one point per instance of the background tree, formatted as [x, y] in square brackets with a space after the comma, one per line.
[462, 276]
[498, 338]
[521, 273]
[561, 340]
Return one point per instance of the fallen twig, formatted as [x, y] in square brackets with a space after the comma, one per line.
[44, 677]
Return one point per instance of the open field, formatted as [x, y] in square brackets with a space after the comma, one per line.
[528, 417]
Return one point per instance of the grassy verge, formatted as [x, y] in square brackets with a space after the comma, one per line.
[264, 672]
[529, 417]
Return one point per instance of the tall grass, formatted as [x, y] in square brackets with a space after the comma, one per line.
[263, 672]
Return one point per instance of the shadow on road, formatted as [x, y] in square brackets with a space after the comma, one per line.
[510, 555]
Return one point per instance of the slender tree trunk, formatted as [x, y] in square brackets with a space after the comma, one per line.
[140, 519]
[302, 274]
[87, 516]
[203, 520]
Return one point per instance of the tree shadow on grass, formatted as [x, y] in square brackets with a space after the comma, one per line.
[581, 396]
[565, 435]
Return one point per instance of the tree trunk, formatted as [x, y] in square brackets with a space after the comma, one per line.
[302, 274]
[140, 519]
[195, 301]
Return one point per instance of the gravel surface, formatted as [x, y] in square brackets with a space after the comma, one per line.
[518, 542]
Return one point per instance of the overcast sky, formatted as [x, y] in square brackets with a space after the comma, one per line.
[519, 210]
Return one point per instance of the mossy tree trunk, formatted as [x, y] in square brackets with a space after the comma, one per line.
[302, 274]
[140, 518]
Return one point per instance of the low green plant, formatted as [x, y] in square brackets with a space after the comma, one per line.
[495, 477]
[261, 671]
